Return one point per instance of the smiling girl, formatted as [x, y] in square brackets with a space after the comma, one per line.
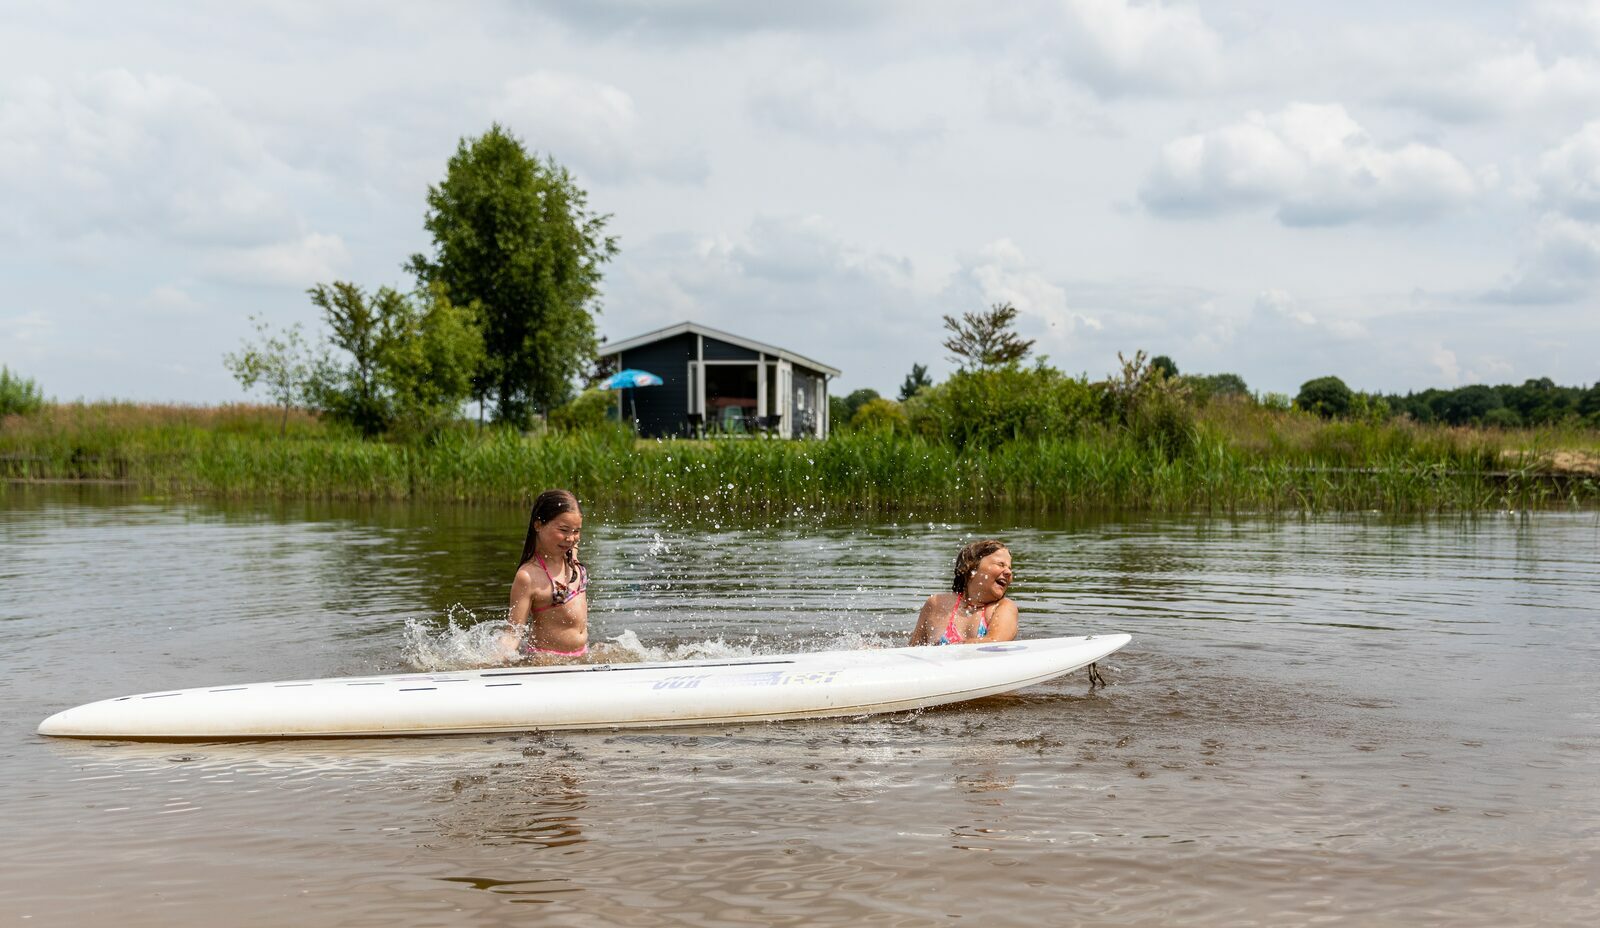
[549, 617]
[976, 608]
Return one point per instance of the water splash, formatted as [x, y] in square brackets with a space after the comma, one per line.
[465, 642]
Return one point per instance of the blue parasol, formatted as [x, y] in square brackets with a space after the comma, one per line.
[622, 380]
[627, 380]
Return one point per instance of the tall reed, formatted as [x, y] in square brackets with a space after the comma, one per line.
[1239, 460]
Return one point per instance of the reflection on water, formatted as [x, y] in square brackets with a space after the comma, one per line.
[1366, 720]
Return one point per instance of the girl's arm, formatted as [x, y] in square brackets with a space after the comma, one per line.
[517, 618]
[927, 620]
[1003, 622]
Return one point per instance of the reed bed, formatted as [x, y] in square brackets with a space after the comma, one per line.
[1241, 460]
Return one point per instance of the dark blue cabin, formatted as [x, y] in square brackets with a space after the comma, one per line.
[716, 383]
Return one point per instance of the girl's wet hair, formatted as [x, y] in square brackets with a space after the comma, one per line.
[967, 561]
[546, 506]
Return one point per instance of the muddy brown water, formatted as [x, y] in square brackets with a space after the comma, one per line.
[1352, 720]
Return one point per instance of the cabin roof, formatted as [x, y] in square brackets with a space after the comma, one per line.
[695, 328]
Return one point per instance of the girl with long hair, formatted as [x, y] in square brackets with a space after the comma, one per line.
[549, 618]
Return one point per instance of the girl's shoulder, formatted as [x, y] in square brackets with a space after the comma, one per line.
[529, 575]
[1005, 610]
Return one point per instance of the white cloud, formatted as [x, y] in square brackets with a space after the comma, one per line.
[1569, 175]
[171, 298]
[1516, 82]
[1280, 311]
[1567, 25]
[1280, 304]
[1118, 47]
[1002, 273]
[815, 98]
[1312, 164]
[25, 331]
[1031, 97]
[1444, 360]
[711, 19]
[311, 259]
[1563, 265]
[593, 126]
[138, 155]
[788, 250]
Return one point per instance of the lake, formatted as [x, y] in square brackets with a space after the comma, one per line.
[1352, 719]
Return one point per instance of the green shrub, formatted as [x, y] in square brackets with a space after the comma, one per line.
[18, 395]
[1502, 417]
[988, 408]
[1328, 397]
[1153, 407]
[588, 411]
[881, 415]
[1205, 387]
[842, 409]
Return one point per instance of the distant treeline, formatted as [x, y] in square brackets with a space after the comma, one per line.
[1535, 402]
[923, 406]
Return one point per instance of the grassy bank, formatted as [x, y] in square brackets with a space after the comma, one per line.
[1245, 458]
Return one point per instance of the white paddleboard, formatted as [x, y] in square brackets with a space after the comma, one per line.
[513, 699]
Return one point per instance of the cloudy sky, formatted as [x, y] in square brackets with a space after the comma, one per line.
[1405, 195]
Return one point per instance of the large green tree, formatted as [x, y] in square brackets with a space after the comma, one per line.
[514, 234]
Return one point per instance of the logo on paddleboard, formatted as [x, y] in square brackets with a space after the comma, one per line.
[765, 678]
[1004, 647]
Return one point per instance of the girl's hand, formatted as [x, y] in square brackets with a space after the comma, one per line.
[572, 555]
[508, 644]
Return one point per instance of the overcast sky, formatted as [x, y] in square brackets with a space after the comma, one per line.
[1405, 195]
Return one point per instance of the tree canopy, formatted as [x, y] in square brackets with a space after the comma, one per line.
[280, 362]
[406, 362]
[19, 395]
[1538, 401]
[1326, 396]
[915, 382]
[513, 233]
[985, 340]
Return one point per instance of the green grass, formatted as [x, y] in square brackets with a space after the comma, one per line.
[1244, 459]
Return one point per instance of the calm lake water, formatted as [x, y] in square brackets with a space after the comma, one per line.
[1361, 720]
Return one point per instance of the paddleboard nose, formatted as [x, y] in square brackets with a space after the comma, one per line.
[58, 725]
[85, 721]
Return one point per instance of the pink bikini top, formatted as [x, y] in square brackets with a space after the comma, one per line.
[560, 595]
[952, 635]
